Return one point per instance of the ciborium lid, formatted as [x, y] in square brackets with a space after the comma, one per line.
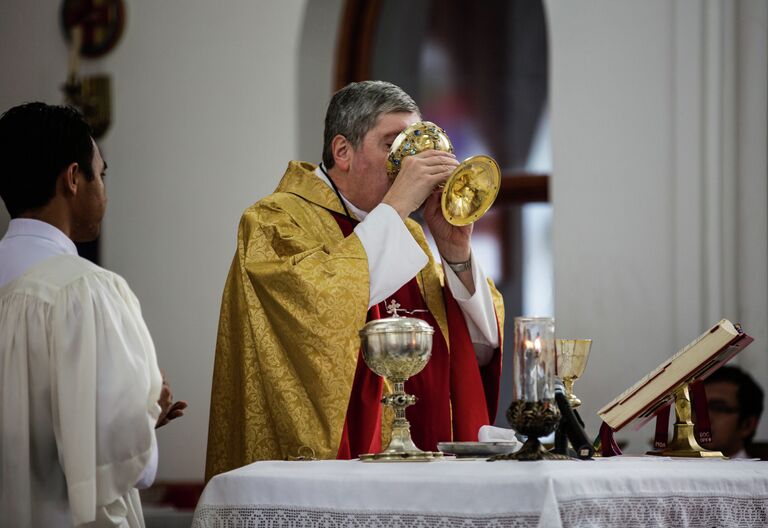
[396, 347]
[396, 324]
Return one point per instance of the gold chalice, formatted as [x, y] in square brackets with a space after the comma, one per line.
[472, 188]
[397, 348]
[572, 355]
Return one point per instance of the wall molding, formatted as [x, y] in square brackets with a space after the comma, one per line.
[719, 169]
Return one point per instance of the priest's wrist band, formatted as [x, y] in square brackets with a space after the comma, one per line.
[458, 267]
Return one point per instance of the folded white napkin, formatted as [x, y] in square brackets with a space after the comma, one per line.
[489, 433]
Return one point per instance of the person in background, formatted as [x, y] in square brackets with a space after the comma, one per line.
[735, 405]
[80, 390]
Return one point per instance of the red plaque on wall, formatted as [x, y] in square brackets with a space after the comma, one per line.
[102, 22]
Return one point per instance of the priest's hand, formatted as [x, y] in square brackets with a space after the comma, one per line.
[453, 242]
[419, 175]
[169, 410]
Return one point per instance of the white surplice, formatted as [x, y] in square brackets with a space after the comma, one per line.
[79, 385]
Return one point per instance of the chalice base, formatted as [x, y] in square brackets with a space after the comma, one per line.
[531, 450]
[384, 456]
[573, 400]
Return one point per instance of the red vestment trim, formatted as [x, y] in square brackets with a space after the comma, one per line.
[454, 396]
[662, 427]
[608, 445]
[703, 424]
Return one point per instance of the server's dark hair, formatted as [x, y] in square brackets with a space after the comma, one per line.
[37, 142]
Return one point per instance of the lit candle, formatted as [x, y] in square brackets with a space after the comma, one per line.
[533, 367]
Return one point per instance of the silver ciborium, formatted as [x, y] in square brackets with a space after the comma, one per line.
[397, 348]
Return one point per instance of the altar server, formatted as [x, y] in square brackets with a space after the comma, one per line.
[80, 389]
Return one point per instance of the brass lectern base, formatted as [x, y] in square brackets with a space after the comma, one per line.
[408, 456]
[691, 453]
[684, 442]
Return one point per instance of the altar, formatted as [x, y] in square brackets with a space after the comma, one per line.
[622, 492]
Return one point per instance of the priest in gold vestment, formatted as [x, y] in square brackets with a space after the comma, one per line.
[314, 261]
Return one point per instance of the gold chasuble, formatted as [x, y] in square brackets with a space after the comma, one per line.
[296, 296]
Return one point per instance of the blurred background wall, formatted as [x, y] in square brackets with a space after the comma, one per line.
[658, 186]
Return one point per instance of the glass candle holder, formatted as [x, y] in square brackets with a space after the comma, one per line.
[533, 411]
[533, 371]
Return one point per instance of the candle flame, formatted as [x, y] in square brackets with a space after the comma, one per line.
[533, 345]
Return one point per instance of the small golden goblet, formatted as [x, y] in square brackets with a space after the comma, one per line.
[470, 190]
[572, 355]
[397, 348]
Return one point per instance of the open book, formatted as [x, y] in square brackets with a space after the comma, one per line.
[701, 357]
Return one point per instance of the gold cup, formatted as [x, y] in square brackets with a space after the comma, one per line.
[472, 188]
[572, 355]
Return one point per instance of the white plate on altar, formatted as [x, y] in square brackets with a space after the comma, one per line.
[477, 449]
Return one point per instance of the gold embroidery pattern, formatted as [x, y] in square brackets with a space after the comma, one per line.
[295, 297]
[287, 345]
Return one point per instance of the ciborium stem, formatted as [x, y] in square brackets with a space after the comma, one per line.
[401, 441]
[401, 446]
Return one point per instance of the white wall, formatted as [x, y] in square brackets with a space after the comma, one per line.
[658, 125]
[205, 121]
[206, 117]
[32, 57]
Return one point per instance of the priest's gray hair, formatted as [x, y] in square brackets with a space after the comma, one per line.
[355, 109]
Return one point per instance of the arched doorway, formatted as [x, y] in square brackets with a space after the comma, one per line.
[480, 71]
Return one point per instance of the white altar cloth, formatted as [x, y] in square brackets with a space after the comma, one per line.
[625, 492]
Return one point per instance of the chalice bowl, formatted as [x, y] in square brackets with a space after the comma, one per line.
[470, 190]
[572, 355]
[397, 348]
[533, 411]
